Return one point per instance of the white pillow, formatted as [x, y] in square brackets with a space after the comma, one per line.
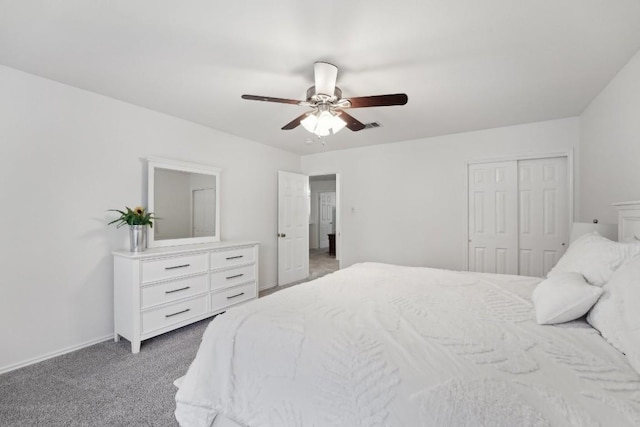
[616, 315]
[606, 317]
[563, 297]
[595, 257]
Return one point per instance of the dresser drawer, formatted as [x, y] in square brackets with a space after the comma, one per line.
[232, 296]
[175, 313]
[173, 290]
[231, 257]
[234, 276]
[168, 268]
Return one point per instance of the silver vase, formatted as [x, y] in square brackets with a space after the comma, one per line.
[137, 238]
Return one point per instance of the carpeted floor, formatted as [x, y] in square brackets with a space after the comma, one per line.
[102, 385]
[106, 385]
[321, 263]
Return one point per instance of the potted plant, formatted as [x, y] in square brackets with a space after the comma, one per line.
[137, 219]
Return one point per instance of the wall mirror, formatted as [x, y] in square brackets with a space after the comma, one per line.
[185, 198]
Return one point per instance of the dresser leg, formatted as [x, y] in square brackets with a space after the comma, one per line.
[135, 347]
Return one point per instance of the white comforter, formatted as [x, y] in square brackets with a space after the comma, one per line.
[383, 345]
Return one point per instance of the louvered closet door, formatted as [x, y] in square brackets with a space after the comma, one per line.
[493, 217]
[544, 214]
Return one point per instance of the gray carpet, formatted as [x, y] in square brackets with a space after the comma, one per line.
[102, 385]
[321, 263]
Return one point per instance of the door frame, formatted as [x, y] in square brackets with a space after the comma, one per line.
[338, 218]
[517, 157]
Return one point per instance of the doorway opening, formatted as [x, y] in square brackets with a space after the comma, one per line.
[324, 230]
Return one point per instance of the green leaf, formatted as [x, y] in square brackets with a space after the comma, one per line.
[131, 217]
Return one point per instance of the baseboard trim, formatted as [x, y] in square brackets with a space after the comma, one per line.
[13, 367]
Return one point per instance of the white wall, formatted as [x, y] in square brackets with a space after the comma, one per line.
[610, 146]
[68, 155]
[316, 188]
[405, 202]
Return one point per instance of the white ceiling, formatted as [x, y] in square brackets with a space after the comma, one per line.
[465, 64]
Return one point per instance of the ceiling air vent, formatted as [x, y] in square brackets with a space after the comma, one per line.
[372, 125]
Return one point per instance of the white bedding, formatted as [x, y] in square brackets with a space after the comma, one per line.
[383, 345]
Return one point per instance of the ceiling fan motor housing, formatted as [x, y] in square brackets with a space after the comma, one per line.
[314, 97]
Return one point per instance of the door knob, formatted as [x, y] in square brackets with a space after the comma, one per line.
[282, 235]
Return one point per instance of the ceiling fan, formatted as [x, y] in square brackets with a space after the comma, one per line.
[327, 115]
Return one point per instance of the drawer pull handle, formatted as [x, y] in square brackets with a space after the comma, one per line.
[175, 314]
[177, 266]
[235, 257]
[237, 295]
[237, 275]
[178, 290]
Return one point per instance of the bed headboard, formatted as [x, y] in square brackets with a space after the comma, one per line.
[628, 220]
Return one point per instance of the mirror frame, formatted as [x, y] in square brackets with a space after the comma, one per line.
[154, 163]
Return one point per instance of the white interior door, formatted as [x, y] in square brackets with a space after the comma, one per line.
[326, 217]
[493, 217]
[544, 214]
[203, 222]
[293, 227]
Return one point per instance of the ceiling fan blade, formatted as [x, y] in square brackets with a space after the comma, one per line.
[295, 122]
[270, 99]
[378, 100]
[325, 78]
[352, 123]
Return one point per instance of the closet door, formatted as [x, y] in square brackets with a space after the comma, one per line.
[493, 217]
[544, 214]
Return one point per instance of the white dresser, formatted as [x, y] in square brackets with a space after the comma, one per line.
[163, 289]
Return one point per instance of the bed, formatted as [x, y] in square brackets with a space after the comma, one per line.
[385, 345]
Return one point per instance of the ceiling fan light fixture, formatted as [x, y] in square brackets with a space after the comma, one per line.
[338, 123]
[323, 123]
[310, 122]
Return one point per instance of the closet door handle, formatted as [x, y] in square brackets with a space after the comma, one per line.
[178, 290]
[237, 295]
[179, 312]
[177, 266]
